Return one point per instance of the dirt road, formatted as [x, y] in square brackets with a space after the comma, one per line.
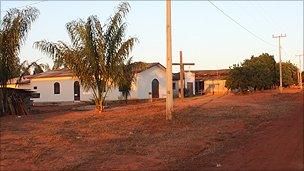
[273, 145]
[261, 131]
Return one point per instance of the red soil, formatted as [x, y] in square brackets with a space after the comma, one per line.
[260, 131]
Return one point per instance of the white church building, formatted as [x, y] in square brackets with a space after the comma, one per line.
[62, 85]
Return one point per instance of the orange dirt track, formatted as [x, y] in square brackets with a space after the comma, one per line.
[260, 131]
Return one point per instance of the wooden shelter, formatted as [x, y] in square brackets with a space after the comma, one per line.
[15, 101]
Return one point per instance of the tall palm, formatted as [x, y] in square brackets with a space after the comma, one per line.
[26, 68]
[13, 32]
[97, 52]
[39, 68]
[14, 28]
[128, 76]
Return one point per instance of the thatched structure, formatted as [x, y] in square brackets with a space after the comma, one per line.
[15, 101]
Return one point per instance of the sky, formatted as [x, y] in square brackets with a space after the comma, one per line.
[205, 35]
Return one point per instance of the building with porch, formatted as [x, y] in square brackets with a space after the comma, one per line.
[199, 82]
[210, 81]
[63, 86]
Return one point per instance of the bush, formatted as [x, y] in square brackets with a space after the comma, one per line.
[260, 73]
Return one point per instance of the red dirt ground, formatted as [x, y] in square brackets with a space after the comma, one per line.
[260, 131]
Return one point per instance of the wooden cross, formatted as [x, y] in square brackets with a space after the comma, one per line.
[181, 73]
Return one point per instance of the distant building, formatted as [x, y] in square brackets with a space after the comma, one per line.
[189, 84]
[210, 81]
[198, 82]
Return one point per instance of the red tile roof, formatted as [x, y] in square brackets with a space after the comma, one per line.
[68, 73]
[206, 74]
[149, 65]
[24, 80]
[210, 74]
[54, 73]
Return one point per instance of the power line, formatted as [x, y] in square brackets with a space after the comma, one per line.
[253, 34]
[34, 3]
[261, 11]
[273, 21]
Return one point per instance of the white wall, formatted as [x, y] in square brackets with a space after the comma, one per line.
[113, 94]
[216, 86]
[144, 82]
[45, 86]
[176, 89]
[190, 77]
[140, 88]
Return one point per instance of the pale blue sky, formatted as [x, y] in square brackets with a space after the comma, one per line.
[204, 34]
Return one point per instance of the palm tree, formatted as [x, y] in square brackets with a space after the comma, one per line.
[26, 67]
[13, 32]
[39, 68]
[128, 76]
[97, 52]
[14, 28]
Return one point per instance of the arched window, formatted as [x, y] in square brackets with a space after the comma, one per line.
[56, 88]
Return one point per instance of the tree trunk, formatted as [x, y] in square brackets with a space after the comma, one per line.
[126, 97]
[4, 104]
[99, 105]
[2, 109]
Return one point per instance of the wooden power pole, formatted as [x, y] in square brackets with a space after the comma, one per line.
[300, 72]
[182, 73]
[280, 61]
[169, 95]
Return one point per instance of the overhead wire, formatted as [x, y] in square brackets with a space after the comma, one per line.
[236, 22]
[34, 3]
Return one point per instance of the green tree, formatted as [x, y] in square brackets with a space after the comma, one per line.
[257, 73]
[289, 74]
[97, 52]
[39, 68]
[14, 28]
[128, 76]
[262, 71]
[26, 68]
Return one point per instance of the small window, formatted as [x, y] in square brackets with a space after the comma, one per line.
[35, 87]
[35, 95]
[56, 88]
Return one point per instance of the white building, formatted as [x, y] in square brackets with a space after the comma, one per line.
[199, 82]
[189, 82]
[62, 86]
[210, 81]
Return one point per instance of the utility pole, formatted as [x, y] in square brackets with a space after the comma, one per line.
[169, 96]
[182, 73]
[300, 72]
[280, 61]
